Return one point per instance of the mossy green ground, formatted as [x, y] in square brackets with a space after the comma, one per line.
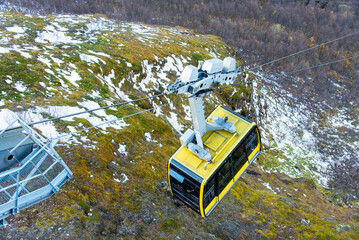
[93, 205]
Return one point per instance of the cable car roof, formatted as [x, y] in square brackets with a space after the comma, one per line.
[218, 143]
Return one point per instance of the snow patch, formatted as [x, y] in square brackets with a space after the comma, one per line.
[48, 129]
[90, 104]
[56, 60]
[122, 149]
[6, 118]
[4, 50]
[125, 178]
[55, 37]
[73, 77]
[295, 128]
[4, 40]
[100, 54]
[16, 29]
[44, 60]
[149, 138]
[269, 187]
[99, 25]
[90, 58]
[174, 122]
[20, 87]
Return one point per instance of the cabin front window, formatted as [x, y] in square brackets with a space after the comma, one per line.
[185, 188]
[209, 191]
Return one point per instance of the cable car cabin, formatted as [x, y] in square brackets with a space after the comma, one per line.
[202, 185]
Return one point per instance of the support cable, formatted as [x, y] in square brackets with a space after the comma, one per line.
[297, 70]
[96, 109]
[321, 65]
[302, 51]
[132, 101]
[117, 119]
[250, 69]
[92, 110]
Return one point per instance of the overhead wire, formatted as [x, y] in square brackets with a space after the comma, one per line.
[117, 119]
[321, 65]
[295, 71]
[302, 51]
[133, 114]
[96, 109]
[130, 115]
[159, 95]
[308, 68]
[160, 106]
[91, 110]
[145, 98]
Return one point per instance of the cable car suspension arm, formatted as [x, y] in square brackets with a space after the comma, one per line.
[198, 81]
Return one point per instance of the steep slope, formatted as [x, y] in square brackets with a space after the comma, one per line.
[54, 65]
[307, 136]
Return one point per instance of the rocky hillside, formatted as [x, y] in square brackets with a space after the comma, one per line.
[55, 65]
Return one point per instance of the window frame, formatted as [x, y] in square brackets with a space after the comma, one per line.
[229, 175]
[207, 191]
[242, 162]
[247, 141]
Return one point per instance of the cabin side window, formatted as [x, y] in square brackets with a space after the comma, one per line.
[239, 158]
[224, 175]
[209, 191]
[251, 142]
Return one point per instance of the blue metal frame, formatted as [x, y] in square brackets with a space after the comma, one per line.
[39, 175]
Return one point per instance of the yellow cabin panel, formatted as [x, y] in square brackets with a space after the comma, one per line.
[214, 141]
[225, 190]
[211, 205]
[241, 171]
[218, 143]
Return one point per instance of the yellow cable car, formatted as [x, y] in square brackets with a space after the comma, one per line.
[202, 184]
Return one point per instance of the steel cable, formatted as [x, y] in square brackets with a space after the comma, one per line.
[302, 51]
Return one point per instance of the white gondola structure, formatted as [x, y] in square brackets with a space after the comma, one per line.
[30, 169]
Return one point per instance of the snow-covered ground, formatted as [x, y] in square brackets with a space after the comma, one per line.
[69, 31]
[295, 126]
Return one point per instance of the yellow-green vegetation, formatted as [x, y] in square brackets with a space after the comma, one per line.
[93, 47]
[297, 209]
[122, 193]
